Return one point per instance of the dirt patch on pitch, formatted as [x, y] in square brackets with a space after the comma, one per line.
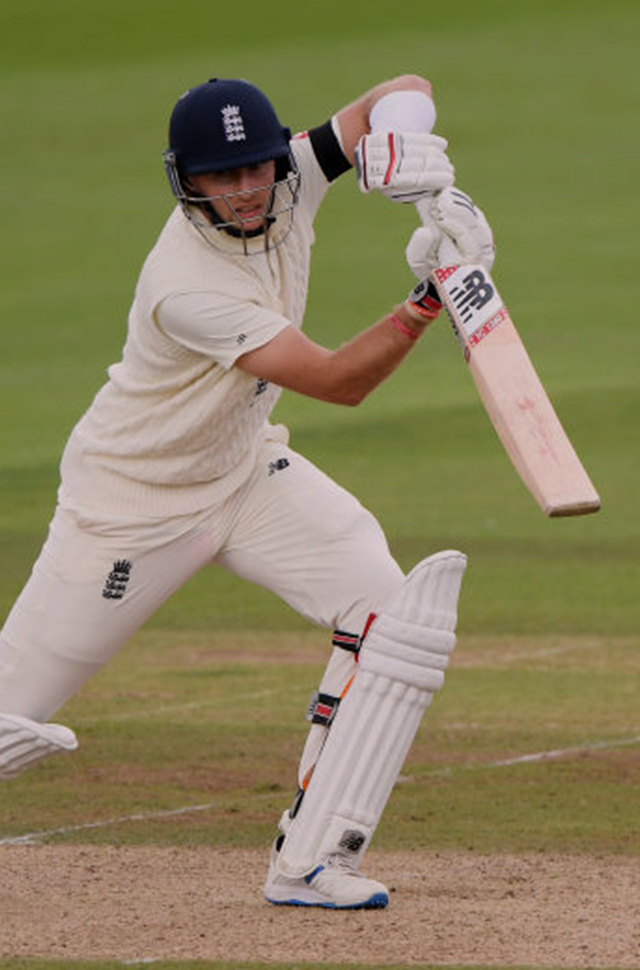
[143, 904]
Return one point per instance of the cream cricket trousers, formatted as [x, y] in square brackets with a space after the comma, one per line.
[290, 528]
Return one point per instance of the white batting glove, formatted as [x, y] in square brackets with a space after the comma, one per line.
[466, 225]
[454, 231]
[423, 250]
[404, 166]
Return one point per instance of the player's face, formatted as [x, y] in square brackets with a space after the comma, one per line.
[240, 196]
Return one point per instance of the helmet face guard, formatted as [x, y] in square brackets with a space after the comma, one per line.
[203, 211]
[222, 125]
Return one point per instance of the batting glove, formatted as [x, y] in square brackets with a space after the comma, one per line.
[465, 223]
[455, 230]
[404, 166]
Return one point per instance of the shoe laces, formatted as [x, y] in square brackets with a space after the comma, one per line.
[342, 862]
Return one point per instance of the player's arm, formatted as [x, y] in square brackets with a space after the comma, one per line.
[346, 375]
[386, 134]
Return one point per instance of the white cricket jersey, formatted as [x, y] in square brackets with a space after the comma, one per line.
[177, 426]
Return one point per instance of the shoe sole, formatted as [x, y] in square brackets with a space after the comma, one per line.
[377, 901]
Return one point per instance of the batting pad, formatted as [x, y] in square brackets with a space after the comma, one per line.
[401, 666]
[24, 742]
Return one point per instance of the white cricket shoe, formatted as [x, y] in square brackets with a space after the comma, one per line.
[334, 884]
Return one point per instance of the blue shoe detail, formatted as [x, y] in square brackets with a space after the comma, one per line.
[377, 901]
[312, 875]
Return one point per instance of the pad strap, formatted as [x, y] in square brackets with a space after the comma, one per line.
[324, 702]
[322, 708]
[347, 641]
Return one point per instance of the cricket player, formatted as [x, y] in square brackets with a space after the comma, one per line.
[176, 465]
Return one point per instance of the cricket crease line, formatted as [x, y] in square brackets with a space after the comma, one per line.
[35, 837]
[104, 823]
[534, 758]
[548, 652]
[537, 757]
[136, 963]
[562, 752]
[177, 708]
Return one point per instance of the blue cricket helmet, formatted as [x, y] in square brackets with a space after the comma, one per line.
[224, 124]
[227, 124]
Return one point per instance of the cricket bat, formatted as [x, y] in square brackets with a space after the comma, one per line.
[512, 393]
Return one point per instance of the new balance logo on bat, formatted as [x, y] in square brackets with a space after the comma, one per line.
[472, 302]
[474, 292]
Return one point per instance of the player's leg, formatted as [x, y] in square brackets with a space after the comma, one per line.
[401, 666]
[292, 529]
[310, 541]
[402, 661]
[313, 544]
[303, 536]
[91, 588]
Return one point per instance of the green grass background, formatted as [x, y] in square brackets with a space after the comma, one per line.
[539, 103]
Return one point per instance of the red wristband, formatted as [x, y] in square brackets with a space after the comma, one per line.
[401, 327]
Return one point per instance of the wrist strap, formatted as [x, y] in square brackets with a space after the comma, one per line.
[401, 327]
[423, 301]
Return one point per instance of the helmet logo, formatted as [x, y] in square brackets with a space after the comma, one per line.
[233, 123]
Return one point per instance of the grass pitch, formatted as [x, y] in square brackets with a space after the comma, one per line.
[533, 744]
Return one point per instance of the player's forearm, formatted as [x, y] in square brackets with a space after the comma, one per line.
[346, 375]
[368, 359]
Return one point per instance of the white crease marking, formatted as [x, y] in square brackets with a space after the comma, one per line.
[32, 837]
[562, 752]
[536, 757]
[210, 702]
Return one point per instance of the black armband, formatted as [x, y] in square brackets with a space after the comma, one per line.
[328, 152]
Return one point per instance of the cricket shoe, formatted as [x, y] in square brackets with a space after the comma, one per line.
[334, 884]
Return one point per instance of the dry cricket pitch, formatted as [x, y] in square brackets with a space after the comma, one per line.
[131, 904]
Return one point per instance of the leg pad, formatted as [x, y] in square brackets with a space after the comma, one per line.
[401, 666]
[24, 742]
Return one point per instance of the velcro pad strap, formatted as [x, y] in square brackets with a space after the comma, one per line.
[322, 708]
[347, 641]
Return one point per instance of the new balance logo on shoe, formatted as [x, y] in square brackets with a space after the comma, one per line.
[352, 840]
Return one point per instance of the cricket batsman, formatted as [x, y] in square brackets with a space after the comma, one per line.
[176, 465]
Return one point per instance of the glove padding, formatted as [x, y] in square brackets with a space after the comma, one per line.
[404, 166]
[454, 231]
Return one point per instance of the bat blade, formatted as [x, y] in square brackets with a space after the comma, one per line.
[512, 393]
